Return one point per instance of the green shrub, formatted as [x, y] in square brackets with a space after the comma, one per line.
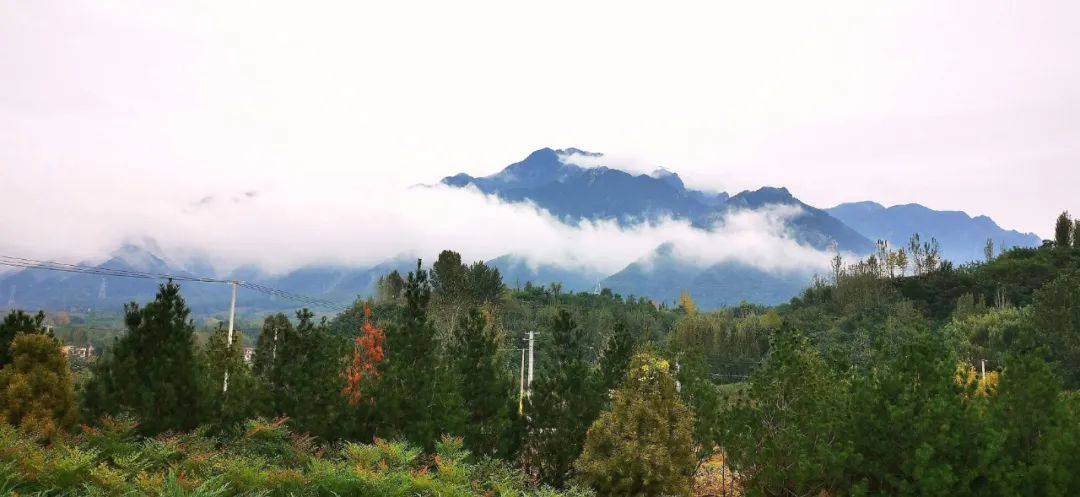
[110, 461]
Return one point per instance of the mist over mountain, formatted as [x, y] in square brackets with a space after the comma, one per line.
[561, 215]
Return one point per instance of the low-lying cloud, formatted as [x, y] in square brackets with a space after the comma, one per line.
[282, 228]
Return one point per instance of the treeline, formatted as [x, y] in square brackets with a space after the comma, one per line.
[947, 381]
[436, 353]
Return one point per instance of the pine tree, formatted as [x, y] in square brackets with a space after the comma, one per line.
[642, 444]
[1063, 230]
[1029, 416]
[703, 397]
[786, 435]
[617, 356]
[305, 381]
[1055, 317]
[913, 430]
[152, 371]
[416, 402]
[564, 401]
[389, 287]
[276, 328]
[487, 387]
[244, 398]
[14, 323]
[36, 391]
[448, 275]
[1076, 233]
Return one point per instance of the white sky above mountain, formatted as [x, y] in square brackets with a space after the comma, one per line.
[118, 118]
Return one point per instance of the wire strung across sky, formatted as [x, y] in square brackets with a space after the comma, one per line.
[21, 262]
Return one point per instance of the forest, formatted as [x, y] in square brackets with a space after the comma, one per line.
[898, 374]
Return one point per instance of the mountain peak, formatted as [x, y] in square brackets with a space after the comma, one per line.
[670, 177]
[763, 196]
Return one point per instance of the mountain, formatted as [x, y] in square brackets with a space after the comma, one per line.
[662, 276]
[551, 180]
[961, 236]
[517, 271]
[40, 289]
[33, 288]
[811, 226]
[548, 178]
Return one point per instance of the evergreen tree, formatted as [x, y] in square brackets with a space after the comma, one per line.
[448, 275]
[389, 287]
[565, 399]
[306, 380]
[243, 399]
[416, 402]
[642, 444]
[36, 391]
[275, 330]
[14, 323]
[702, 395]
[152, 371]
[786, 436]
[488, 389]
[1055, 316]
[910, 424]
[617, 357]
[1030, 419]
[484, 284]
[1063, 230]
[1076, 233]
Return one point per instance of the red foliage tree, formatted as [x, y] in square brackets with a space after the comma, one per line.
[367, 354]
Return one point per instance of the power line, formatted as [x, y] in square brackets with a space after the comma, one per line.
[24, 263]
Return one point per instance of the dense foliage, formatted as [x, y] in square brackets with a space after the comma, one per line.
[264, 459]
[899, 374]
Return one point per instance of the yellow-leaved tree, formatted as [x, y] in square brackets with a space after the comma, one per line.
[36, 392]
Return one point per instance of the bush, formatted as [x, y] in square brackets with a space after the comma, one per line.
[267, 460]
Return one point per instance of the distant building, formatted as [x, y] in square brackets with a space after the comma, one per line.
[79, 352]
[249, 354]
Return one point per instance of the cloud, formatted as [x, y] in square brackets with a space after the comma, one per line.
[625, 162]
[293, 225]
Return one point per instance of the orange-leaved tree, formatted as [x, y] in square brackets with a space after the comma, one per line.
[367, 354]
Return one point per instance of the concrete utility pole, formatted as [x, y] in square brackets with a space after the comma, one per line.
[521, 391]
[532, 340]
[232, 319]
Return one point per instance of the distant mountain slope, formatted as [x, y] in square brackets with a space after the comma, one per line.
[41, 289]
[517, 271]
[961, 236]
[661, 276]
[813, 226]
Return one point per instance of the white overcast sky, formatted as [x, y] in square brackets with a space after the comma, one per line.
[113, 107]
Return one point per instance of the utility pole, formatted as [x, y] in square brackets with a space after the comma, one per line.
[232, 319]
[532, 340]
[521, 391]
